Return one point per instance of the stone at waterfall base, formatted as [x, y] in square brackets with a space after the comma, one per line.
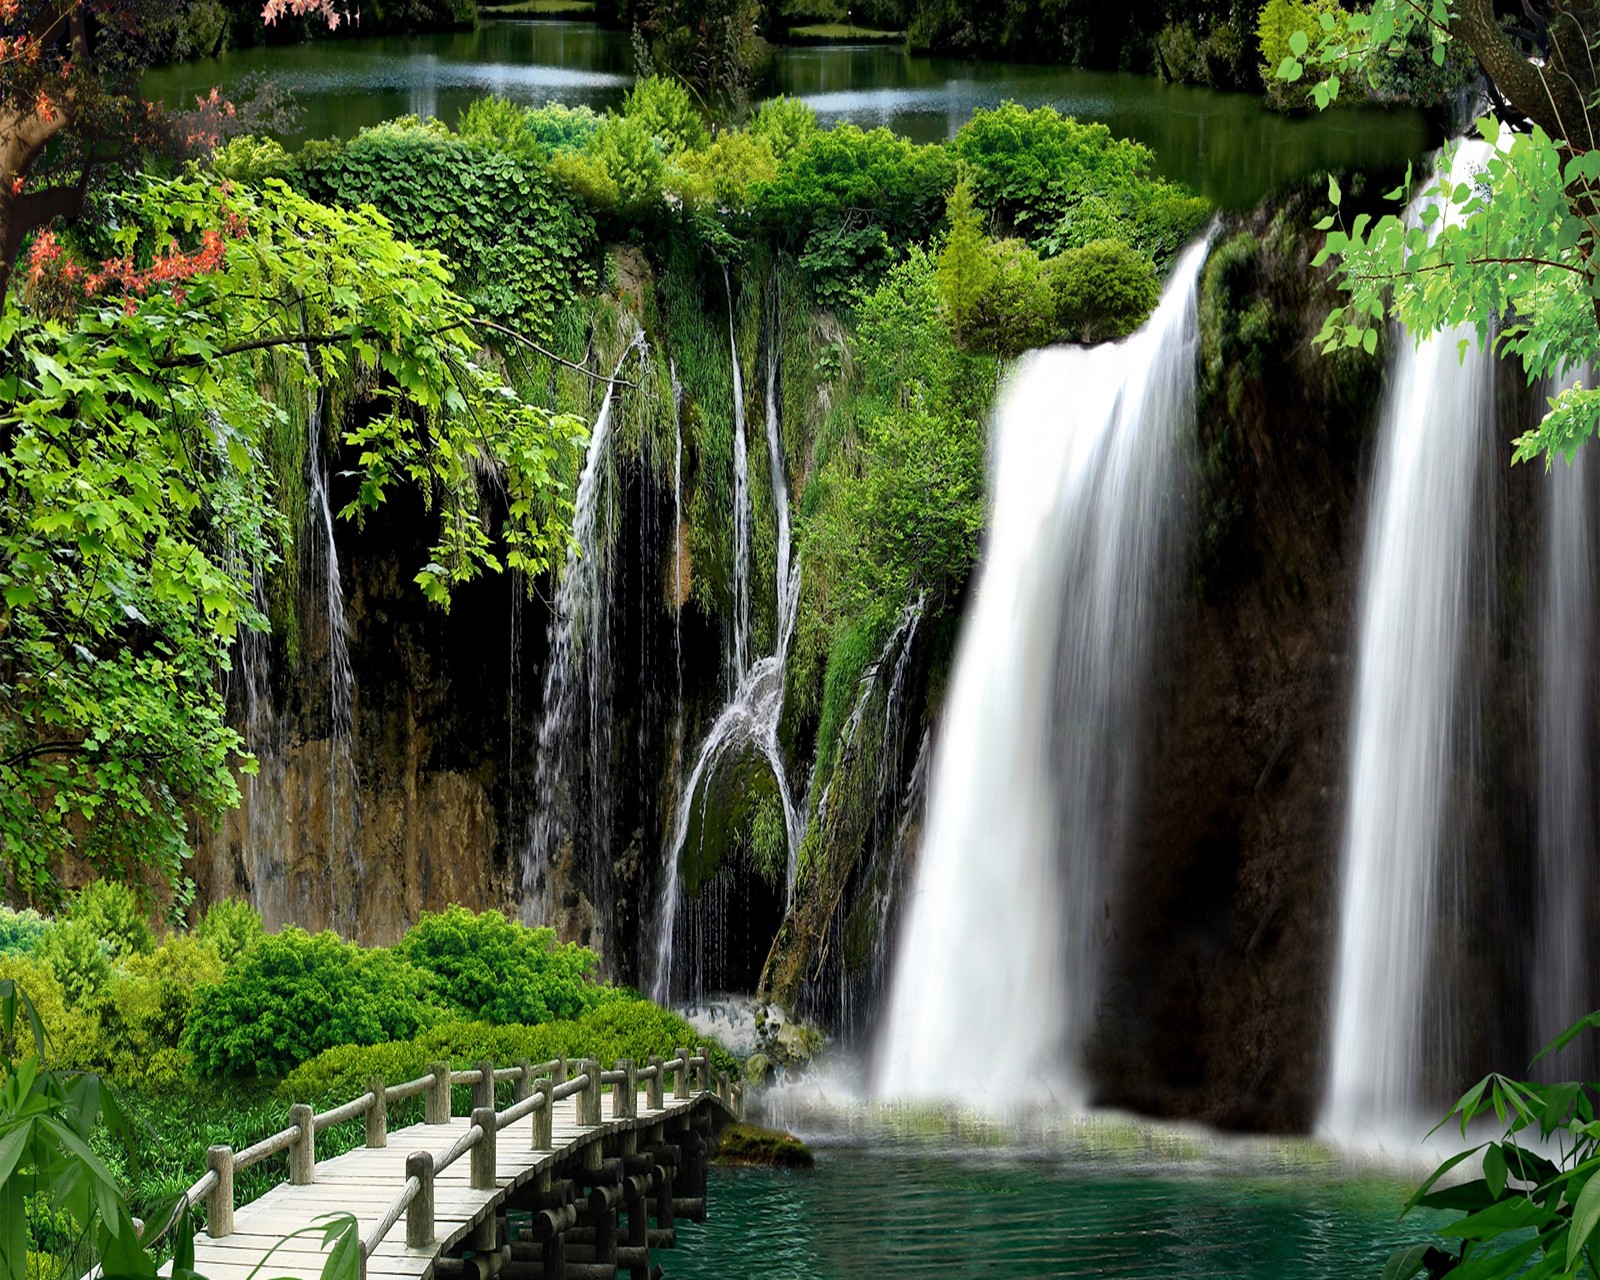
[751, 1146]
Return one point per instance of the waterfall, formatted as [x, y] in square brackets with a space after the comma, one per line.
[996, 967]
[752, 715]
[262, 793]
[575, 731]
[1563, 991]
[344, 813]
[741, 507]
[1415, 591]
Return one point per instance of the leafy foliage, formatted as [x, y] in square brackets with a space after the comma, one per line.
[1102, 291]
[1534, 1208]
[79, 959]
[232, 926]
[113, 913]
[663, 106]
[492, 969]
[296, 994]
[1282, 26]
[620, 1027]
[522, 246]
[128, 575]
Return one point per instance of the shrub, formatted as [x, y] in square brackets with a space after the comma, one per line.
[232, 927]
[786, 123]
[146, 1006]
[1278, 22]
[295, 995]
[1156, 218]
[20, 931]
[521, 245]
[1103, 291]
[623, 1027]
[77, 957]
[492, 969]
[71, 1033]
[996, 296]
[113, 912]
[663, 106]
[252, 160]
[844, 176]
[499, 124]
[1028, 166]
[842, 262]
[723, 173]
[558, 128]
[621, 170]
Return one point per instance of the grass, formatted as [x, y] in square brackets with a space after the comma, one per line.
[841, 33]
[539, 8]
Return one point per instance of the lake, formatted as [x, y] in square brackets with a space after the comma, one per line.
[1223, 144]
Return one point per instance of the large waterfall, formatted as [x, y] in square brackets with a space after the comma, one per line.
[996, 969]
[1415, 592]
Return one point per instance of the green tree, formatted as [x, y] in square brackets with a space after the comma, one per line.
[1102, 291]
[139, 504]
[1515, 239]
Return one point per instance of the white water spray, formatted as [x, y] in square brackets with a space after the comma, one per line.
[997, 965]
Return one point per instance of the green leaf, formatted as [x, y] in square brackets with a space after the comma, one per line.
[1334, 194]
[1585, 1214]
[1494, 1169]
[1403, 1264]
[1298, 43]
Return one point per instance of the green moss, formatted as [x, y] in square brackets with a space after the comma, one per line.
[746, 1144]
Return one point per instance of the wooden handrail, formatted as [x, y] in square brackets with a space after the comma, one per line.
[538, 1086]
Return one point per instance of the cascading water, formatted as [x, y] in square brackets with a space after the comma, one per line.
[1567, 839]
[741, 507]
[575, 731]
[751, 718]
[1415, 593]
[997, 964]
[344, 813]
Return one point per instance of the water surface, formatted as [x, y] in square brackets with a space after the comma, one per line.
[916, 1215]
[1224, 144]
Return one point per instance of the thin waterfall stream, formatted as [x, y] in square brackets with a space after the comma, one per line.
[996, 968]
[752, 715]
[575, 731]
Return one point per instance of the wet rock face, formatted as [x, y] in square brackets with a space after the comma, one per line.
[1223, 922]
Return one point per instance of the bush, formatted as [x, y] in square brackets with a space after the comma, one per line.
[295, 995]
[1157, 219]
[113, 912]
[623, 1027]
[500, 125]
[663, 106]
[1278, 22]
[1103, 291]
[1027, 167]
[491, 969]
[251, 160]
[723, 173]
[71, 1033]
[621, 170]
[232, 927]
[521, 245]
[77, 958]
[146, 1007]
[557, 128]
[786, 123]
[20, 931]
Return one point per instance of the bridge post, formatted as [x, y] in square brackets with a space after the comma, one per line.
[483, 1155]
[738, 1102]
[436, 1108]
[654, 1090]
[558, 1073]
[680, 1077]
[419, 1215]
[483, 1090]
[589, 1099]
[698, 1070]
[543, 1121]
[303, 1155]
[622, 1094]
[377, 1114]
[522, 1086]
[219, 1204]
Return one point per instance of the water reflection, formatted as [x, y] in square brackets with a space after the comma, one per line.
[1223, 144]
[867, 1212]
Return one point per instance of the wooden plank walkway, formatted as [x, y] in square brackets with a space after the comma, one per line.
[543, 1136]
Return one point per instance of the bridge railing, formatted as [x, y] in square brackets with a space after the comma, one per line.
[535, 1091]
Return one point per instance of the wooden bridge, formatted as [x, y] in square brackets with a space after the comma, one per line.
[537, 1191]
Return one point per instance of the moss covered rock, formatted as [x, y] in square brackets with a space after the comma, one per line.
[747, 1144]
